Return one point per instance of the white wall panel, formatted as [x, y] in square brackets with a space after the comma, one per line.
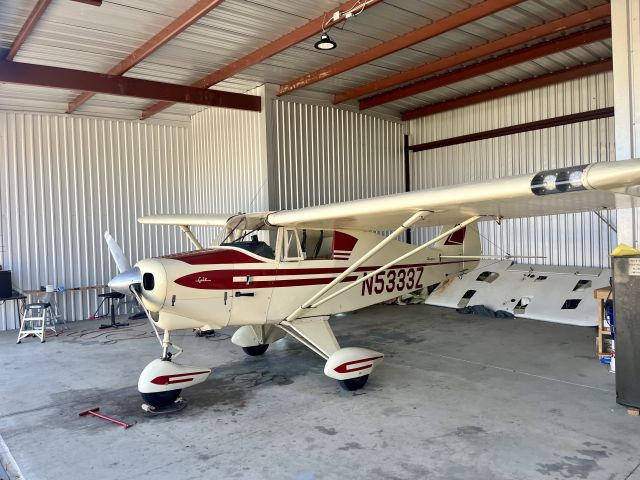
[578, 239]
[325, 154]
[230, 170]
[65, 180]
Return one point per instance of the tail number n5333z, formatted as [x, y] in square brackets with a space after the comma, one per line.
[394, 280]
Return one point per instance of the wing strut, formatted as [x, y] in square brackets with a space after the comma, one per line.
[314, 302]
[402, 228]
[187, 231]
[397, 260]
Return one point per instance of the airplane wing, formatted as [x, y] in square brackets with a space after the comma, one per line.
[200, 220]
[590, 187]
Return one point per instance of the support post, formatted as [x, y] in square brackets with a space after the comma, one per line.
[407, 176]
[625, 40]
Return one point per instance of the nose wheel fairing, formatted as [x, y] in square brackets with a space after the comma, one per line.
[161, 381]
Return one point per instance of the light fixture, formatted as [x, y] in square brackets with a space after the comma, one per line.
[560, 180]
[325, 42]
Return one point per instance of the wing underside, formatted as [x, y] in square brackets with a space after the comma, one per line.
[593, 187]
[600, 186]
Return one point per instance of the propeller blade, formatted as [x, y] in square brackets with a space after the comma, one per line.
[118, 255]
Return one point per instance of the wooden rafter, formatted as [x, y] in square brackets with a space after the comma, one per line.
[539, 50]
[182, 22]
[66, 78]
[510, 89]
[518, 39]
[290, 39]
[450, 22]
[28, 26]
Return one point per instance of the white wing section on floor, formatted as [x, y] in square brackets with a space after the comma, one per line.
[537, 292]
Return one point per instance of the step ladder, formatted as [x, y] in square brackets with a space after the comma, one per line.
[36, 320]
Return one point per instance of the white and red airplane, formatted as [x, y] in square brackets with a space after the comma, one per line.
[315, 262]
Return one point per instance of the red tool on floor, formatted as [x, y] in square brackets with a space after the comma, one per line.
[94, 412]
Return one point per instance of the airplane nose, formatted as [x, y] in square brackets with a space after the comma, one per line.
[122, 282]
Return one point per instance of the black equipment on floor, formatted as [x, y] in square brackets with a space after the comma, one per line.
[111, 298]
[5, 284]
[626, 288]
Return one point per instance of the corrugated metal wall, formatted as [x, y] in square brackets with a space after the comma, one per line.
[230, 169]
[578, 239]
[325, 154]
[65, 180]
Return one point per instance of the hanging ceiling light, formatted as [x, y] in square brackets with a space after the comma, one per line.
[325, 42]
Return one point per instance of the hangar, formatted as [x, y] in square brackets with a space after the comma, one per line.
[315, 184]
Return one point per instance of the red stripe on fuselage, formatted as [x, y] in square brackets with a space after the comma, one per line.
[223, 279]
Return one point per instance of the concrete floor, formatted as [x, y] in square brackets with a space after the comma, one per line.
[457, 397]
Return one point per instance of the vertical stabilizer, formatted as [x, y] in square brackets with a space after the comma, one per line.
[464, 242]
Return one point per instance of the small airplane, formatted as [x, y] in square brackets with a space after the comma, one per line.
[287, 272]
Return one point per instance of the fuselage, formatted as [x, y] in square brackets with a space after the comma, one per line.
[231, 285]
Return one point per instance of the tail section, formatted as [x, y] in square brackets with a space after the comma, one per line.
[464, 242]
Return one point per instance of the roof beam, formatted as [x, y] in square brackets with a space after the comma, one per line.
[474, 54]
[513, 129]
[543, 49]
[455, 20]
[510, 89]
[185, 20]
[44, 76]
[27, 27]
[93, 3]
[290, 39]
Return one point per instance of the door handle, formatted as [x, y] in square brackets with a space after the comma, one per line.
[244, 294]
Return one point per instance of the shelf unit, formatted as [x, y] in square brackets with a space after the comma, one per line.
[602, 295]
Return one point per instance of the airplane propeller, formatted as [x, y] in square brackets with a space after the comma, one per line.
[118, 255]
[128, 275]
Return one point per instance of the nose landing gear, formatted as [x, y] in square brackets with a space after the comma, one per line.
[162, 380]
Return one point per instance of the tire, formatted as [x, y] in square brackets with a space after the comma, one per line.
[161, 399]
[354, 384]
[255, 350]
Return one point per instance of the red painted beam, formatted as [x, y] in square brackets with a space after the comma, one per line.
[43, 76]
[510, 89]
[474, 54]
[453, 21]
[543, 49]
[290, 39]
[93, 3]
[27, 27]
[186, 19]
[513, 129]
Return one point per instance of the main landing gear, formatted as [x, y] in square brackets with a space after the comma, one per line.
[352, 384]
[350, 366]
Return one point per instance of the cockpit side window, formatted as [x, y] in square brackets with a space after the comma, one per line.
[316, 244]
[292, 251]
[254, 245]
